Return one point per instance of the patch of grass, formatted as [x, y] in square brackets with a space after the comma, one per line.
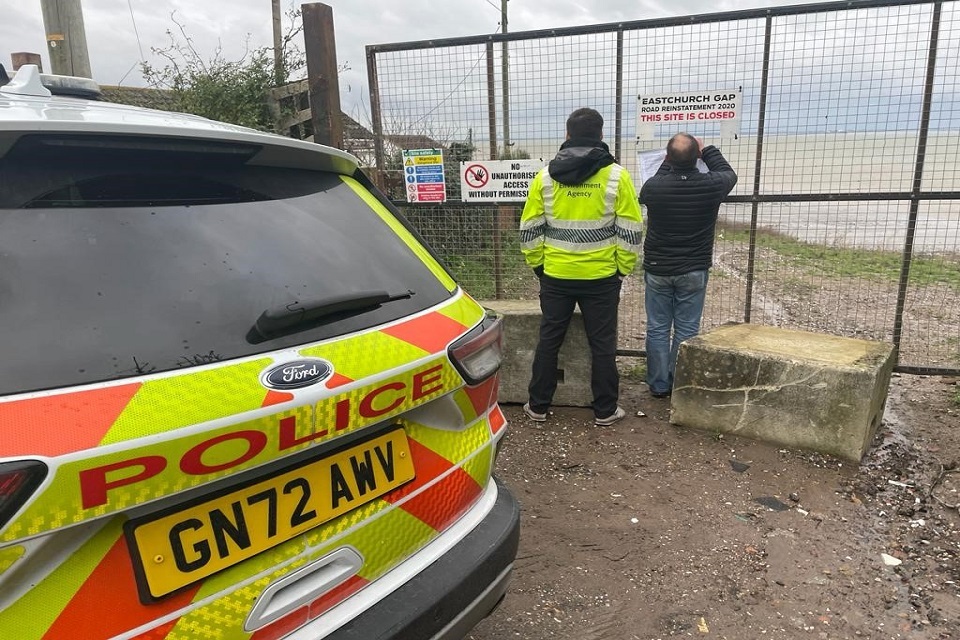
[953, 344]
[476, 271]
[716, 273]
[474, 276]
[851, 263]
[633, 369]
[797, 285]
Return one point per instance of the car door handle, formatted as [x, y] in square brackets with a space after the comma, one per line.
[303, 586]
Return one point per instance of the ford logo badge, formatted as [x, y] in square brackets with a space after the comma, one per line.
[297, 374]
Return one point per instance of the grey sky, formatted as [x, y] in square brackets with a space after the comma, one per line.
[112, 27]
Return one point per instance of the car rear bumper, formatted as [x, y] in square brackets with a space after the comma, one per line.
[453, 594]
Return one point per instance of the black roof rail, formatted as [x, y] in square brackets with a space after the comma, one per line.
[73, 86]
[29, 81]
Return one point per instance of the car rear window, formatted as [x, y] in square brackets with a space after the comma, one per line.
[122, 261]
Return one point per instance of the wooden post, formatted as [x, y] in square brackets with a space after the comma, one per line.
[278, 67]
[377, 117]
[21, 58]
[321, 53]
[66, 38]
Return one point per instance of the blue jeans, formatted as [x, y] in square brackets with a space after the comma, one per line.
[671, 301]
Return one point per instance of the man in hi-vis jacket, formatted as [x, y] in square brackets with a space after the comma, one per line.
[581, 232]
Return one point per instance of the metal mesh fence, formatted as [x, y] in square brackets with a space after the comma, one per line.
[846, 217]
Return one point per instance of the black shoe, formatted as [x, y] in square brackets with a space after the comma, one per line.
[661, 394]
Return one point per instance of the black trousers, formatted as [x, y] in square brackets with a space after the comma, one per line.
[599, 301]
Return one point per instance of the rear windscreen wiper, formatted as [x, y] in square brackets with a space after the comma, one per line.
[306, 314]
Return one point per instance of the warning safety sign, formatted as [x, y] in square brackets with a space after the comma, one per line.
[423, 174]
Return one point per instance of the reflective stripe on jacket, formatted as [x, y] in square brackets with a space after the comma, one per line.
[584, 231]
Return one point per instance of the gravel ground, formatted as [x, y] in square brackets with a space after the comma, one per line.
[647, 530]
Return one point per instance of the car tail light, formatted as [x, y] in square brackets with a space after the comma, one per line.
[18, 481]
[478, 354]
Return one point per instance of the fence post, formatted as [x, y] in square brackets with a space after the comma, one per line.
[321, 54]
[618, 116]
[498, 215]
[917, 179]
[491, 102]
[757, 167]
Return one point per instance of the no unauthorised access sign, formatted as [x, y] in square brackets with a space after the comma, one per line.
[497, 180]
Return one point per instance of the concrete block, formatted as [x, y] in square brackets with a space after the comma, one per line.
[793, 388]
[521, 323]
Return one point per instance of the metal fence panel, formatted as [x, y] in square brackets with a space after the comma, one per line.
[846, 217]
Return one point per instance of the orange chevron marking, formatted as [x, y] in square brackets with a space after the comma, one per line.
[497, 420]
[276, 397]
[62, 423]
[446, 501]
[482, 395]
[338, 380]
[432, 332]
[336, 595]
[428, 464]
[157, 633]
[112, 584]
[275, 630]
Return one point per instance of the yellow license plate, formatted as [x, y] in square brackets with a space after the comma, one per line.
[180, 548]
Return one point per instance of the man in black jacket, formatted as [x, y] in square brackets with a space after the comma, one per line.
[682, 205]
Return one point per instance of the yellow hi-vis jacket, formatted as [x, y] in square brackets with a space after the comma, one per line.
[584, 231]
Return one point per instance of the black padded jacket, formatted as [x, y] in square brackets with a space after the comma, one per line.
[682, 206]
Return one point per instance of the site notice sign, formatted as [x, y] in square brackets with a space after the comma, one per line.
[423, 175]
[497, 180]
[679, 111]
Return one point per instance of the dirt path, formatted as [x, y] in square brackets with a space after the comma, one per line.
[646, 530]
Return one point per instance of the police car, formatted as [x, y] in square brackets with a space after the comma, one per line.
[239, 397]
